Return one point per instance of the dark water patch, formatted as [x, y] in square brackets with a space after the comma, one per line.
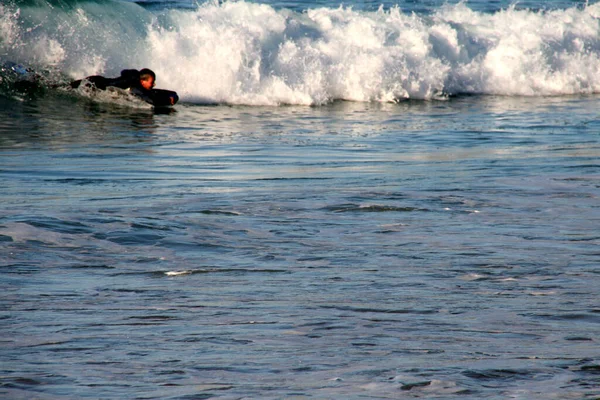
[171, 372]
[215, 212]
[112, 384]
[75, 349]
[216, 246]
[136, 325]
[80, 181]
[583, 238]
[492, 266]
[22, 381]
[157, 227]
[147, 260]
[583, 166]
[380, 310]
[375, 196]
[500, 375]
[554, 238]
[19, 269]
[154, 317]
[129, 239]
[591, 368]
[186, 246]
[37, 243]
[418, 351]
[575, 317]
[199, 396]
[317, 324]
[59, 295]
[103, 220]
[353, 208]
[237, 369]
[410, 386]
[504, 335]
[128, 290]
[299, 178]
[311, 259]
[364, 344]
[105, 363]
[90, 267]
[332, 327]
[5, 238]
[108, 325]
[58, 225]
[51, 343]
[216, 340]
[130, 199]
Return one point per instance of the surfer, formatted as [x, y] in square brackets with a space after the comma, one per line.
[140, 83]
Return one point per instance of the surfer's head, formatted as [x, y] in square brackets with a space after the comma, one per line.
[147, 78]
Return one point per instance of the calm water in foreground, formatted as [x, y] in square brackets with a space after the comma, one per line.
[427, 249]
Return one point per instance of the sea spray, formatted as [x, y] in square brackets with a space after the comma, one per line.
[78, 37]
[247, 53]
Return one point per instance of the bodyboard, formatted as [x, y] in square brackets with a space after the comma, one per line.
[156, 97]
[162, 98]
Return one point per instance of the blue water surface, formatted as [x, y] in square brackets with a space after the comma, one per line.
[443, 248]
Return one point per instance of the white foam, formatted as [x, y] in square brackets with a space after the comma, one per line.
[8, 26]
[177, 273]
[247, 53]
[252, 54]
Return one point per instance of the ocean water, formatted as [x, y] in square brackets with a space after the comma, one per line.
[367, 200]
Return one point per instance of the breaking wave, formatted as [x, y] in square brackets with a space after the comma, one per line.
[238, 52]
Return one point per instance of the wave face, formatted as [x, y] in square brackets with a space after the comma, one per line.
[247, 53]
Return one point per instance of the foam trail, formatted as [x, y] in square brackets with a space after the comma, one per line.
[246, 53]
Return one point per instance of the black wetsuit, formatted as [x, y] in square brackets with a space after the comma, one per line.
[130, 79]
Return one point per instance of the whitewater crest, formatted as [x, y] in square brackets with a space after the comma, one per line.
[247, 53]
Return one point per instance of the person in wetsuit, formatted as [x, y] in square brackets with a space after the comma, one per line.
[140, 83]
